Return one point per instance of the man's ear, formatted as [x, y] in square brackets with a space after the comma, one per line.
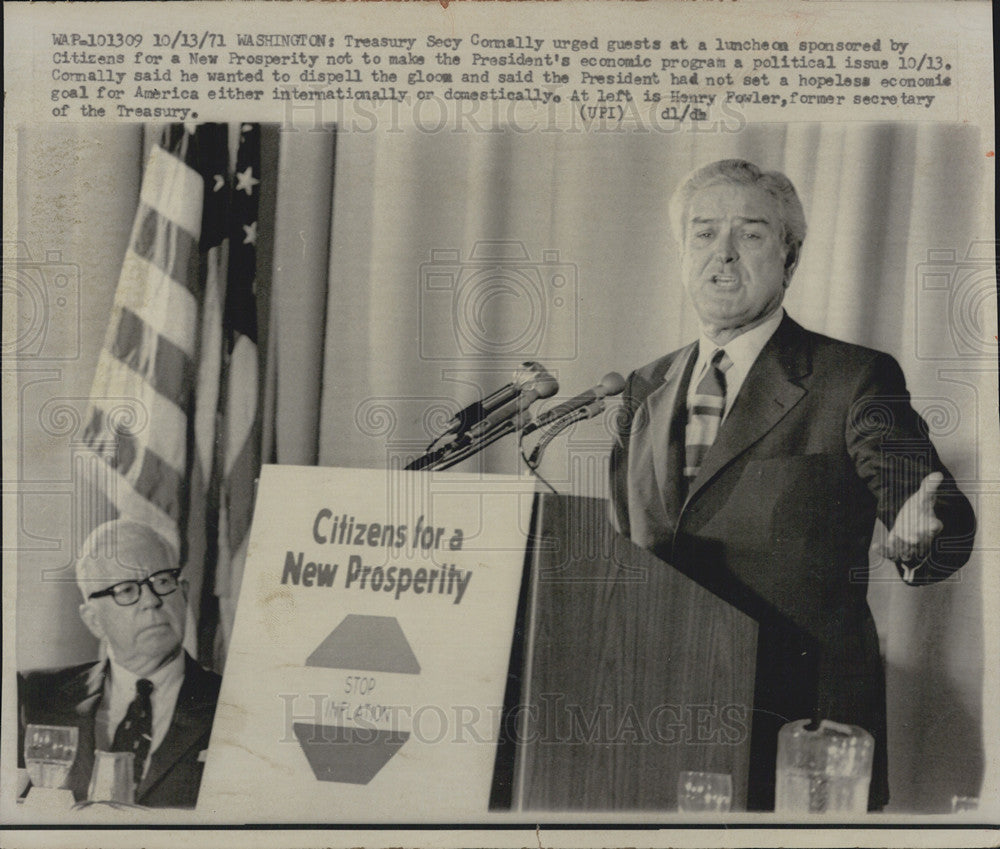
[185, 587]
[791, 263]
[90, 619]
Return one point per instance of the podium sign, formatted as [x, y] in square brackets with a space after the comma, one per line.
[366, 675]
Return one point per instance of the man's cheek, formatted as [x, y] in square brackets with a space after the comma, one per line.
[178, 618]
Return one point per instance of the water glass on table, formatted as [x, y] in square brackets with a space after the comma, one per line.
[701, 792]
[823, 768]
[49, 752]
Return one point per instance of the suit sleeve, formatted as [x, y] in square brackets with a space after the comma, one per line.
[618, 484]
[891, 449]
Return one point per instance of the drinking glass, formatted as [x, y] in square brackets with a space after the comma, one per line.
[964, 804]
[824, 769]
[49, 752]
[699, 792]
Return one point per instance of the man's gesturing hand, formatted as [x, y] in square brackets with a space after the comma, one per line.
[909, 540]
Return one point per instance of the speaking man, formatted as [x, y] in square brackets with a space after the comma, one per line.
[758, 458]
[148, 697]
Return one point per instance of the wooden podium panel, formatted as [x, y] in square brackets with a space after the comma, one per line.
[632, 672]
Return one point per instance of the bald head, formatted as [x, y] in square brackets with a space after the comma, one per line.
[121, 550]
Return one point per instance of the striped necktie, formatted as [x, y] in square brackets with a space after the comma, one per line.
[705, 415]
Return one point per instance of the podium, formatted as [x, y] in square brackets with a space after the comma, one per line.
[624, 673]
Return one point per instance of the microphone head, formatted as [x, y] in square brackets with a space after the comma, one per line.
[527, 374]
[612, 383]
[545, 385]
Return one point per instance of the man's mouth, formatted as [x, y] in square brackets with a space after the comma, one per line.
[725, 281]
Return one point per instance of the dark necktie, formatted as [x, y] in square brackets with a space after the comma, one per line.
[135, 731]
[705, 415]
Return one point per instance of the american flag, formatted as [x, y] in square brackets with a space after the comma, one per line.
[240, 420]
[173, 345]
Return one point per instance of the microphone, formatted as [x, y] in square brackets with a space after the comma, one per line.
[475, 412]
[543, 386]
[611, 384]
[587, 411]
[468, 449]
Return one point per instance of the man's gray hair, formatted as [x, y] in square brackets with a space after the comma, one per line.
[744, 173]
[122, 541]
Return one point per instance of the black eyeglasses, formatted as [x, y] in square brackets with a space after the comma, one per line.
[127, 593]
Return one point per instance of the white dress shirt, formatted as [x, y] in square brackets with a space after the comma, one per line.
[119, 692]
[743, 350]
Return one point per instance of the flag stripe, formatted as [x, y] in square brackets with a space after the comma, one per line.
[167, 368]
[107, 442]
[148, 474]
[162, 242]
[159, 300]
[241, 409]
[174, 189]
[209, 366]
[240, 488]
[156, 418]
[129, 503]
[160, 484]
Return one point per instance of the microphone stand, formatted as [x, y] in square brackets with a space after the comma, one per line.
[464, 447]
[557, 427]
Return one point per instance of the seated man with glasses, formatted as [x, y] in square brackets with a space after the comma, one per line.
[148, 697]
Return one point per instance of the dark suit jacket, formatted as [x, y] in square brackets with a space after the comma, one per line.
[71, 697]
[820, 442]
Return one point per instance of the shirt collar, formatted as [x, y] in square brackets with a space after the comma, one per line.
[744, 349]
[169, 673]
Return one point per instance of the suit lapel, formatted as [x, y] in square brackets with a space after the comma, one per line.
[667, 409]
[192, 715]
[768, 393]
[84, 691]
[80, 697]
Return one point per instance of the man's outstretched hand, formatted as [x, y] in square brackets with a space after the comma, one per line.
[909, 540]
